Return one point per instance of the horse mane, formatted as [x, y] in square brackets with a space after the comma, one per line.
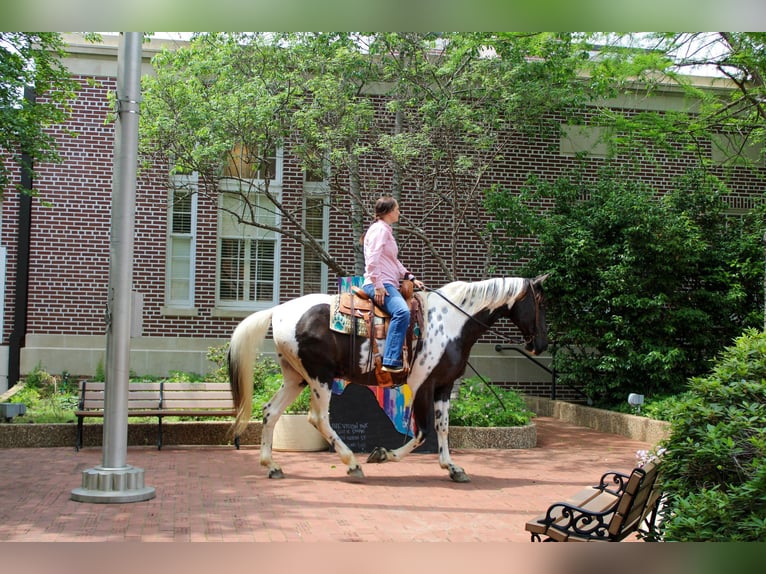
[487, 294]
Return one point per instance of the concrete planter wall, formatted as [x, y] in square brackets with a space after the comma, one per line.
[216, 433]
[294, 432]
[629, 426]
[493, 437]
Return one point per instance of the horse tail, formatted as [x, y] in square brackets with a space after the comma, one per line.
[245, 345]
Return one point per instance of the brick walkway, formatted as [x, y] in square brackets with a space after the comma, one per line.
[220, 494]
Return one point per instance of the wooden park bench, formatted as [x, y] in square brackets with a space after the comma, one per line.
[617, 506]
[159, 399]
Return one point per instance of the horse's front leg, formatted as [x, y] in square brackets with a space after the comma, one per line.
[441, 422]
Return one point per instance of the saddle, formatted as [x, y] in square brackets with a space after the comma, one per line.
[358, 307]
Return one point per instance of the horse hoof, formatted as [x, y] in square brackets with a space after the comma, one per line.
[276, 473]
[355, 473]
[459, 476]
[378, 454]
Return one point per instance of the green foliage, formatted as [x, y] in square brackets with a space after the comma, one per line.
[267, 380]
[31, 59]
[734, 124]
[478, 405]
[643, 289]
[714, 467]
[660, 407]
[448, 109]
[47, 399]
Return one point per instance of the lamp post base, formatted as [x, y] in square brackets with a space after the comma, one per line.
[113, 486]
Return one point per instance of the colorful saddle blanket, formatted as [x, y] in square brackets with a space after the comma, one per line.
[350, 314]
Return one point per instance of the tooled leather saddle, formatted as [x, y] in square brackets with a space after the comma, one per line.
[357, 306]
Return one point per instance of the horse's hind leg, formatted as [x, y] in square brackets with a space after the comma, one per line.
[288, 392]
[320, 418]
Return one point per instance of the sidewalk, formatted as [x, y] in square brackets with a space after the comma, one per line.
[221, 494]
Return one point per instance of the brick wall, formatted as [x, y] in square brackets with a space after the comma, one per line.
[71, 218]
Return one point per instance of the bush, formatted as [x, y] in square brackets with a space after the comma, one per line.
[659, 407]
[714, 467]
[480, 405]
[267, 379]
[47, 398]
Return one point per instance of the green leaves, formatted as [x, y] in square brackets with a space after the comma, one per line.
[643, 289]
[479, 405]
[714, 468]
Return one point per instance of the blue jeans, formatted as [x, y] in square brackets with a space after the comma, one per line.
[395, 305]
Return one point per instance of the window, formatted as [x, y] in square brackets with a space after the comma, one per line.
[315, 222]
[182, 225]
[247, 258]
[247, 265]
[242, 164]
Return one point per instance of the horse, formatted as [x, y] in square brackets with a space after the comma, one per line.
[310, 353]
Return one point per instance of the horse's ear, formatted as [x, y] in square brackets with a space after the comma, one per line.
[541, 278]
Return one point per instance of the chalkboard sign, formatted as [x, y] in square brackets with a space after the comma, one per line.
[368, 417]
[363, 423]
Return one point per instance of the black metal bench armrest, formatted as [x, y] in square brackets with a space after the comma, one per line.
[619, 479]
[578, 521]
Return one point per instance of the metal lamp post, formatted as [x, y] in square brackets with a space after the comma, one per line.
[115, 481]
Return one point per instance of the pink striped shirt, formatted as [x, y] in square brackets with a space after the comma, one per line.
[381, 256]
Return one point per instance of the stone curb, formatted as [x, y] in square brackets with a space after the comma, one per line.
[21, 435]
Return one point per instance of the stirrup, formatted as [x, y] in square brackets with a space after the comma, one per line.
[393, 370]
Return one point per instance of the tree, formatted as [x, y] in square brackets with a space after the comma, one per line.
[729, 112]
[31, 61]
[644, 288]
[437, 110]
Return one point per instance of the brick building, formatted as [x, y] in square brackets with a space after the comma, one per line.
[184, 303]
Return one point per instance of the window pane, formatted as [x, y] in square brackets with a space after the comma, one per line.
[244, 164]
[232, 270]
[312, 265]
[262, 270]
[181, 212]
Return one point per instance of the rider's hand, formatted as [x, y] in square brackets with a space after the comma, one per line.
[419, 284]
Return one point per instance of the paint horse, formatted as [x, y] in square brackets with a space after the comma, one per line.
[309, 353]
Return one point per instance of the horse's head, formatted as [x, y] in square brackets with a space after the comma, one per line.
[528, 313]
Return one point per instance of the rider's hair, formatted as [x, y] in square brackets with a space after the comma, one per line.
[385, 204]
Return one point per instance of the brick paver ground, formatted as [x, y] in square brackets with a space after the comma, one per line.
[221, 494]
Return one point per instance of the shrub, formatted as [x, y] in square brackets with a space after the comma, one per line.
[481, 404]
[47, 399]
[714, 467]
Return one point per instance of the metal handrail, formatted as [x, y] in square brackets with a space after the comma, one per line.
[500, 347]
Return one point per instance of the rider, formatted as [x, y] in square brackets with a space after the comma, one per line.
[383, 270]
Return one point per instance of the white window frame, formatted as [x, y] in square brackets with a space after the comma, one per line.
[227, 307]
[313, 190]
[185, 305]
